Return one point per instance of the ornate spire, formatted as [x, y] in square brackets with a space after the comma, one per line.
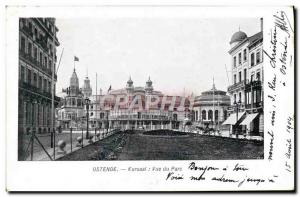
[149, 87]
[129, 85]
[74, 83]
[214, 87]
[87, 89]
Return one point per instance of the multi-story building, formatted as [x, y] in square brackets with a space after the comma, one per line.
[127, 108]
[37, 59]
[210, 108]
[246, 91]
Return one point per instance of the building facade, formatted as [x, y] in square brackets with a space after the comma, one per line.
[37, 60]
[86, 89]
[127, 108]
[71, 112]
[210, 108]
[138, 108]
[246, 91]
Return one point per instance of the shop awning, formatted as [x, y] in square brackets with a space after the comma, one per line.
[232, 118]
[249, 118]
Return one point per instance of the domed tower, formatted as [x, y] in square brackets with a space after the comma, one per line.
[86, 89]
[148, 87]
[74, 84]
[237, 37]
[129, 86]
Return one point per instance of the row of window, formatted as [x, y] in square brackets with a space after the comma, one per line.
[72, 102]
[34, 29]
[209, 115]
[237, 60]
[36, 114]
[34, 79]
[253, 77]
[36, 53]
[257, 97]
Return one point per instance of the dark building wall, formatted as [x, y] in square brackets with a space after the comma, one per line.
[37, 57]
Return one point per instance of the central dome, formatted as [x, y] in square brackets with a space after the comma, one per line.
[238, 36]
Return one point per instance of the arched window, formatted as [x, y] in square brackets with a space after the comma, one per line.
[216, 115]
[101, 115]
[210, 115]
[203, 114]
[175, 117]
[225, 114]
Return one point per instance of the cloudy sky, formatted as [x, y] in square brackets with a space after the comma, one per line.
[180, 55]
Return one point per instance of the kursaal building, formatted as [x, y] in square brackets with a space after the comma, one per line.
[126, 108]
[246, 92]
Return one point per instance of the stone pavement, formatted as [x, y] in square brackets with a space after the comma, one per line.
[42, 156]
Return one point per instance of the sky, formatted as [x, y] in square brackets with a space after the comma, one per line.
[181, 55]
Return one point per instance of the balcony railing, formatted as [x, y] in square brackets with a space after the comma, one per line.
[233, 107]
[132, 117]
[27, 30]
[255, 105]
[36, 63]
[37, 90]
[240, 84]
[253, 85]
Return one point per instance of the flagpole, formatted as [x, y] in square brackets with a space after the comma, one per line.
[52, 96]
[96, 96]
[213, 116]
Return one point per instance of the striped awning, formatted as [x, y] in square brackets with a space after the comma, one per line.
[249, 118]
[232, 120]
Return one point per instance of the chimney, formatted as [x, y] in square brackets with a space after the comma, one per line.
[261, 24]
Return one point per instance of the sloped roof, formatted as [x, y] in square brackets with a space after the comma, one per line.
[255, 38]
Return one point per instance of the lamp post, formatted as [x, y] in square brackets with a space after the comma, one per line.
[237, 104]
[107, 123]
[87, 102]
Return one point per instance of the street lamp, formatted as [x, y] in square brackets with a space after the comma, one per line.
[107, 123]
[237, 104]
[87, 102]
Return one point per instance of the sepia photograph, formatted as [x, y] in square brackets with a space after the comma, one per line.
[140, 89]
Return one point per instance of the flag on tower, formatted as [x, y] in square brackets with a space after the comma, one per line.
[76, 59]
[109, 89]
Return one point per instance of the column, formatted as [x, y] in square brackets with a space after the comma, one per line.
[42, 115]
[37, 115]
[32, 115]
[24, 114]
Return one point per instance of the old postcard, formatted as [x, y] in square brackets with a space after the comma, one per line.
[150, 98]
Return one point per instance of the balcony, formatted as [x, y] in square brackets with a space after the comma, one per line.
[239, 85]
[29, 87]
[27, 30]
[37, 90]
[33, 61]
[254, 105]
[253, 85]
[233, 107]
[42, 40]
